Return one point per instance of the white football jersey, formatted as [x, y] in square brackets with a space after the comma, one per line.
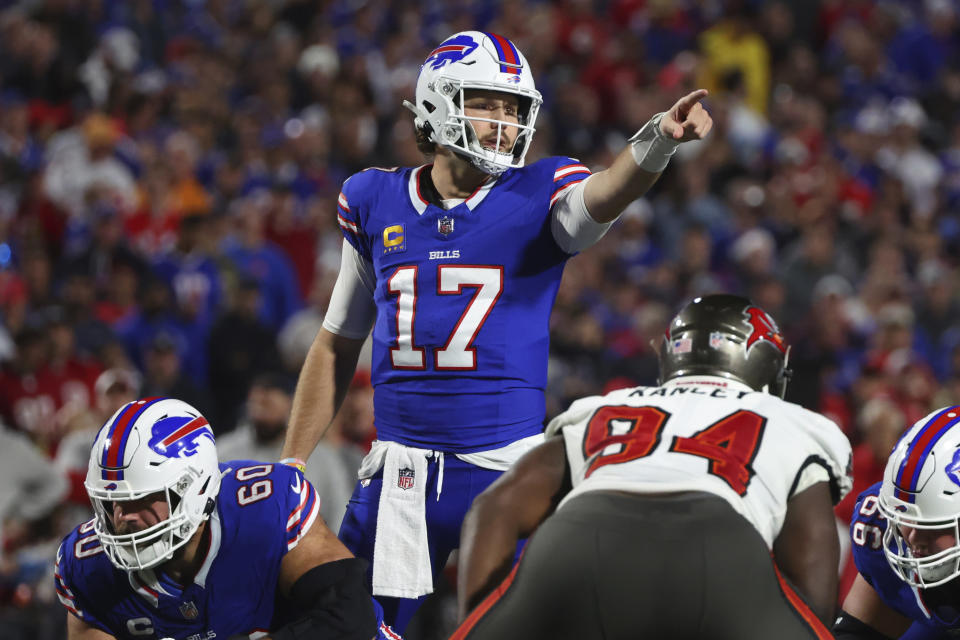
[704, 434]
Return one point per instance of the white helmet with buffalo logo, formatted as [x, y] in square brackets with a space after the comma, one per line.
[475, 60]
[727, 336]
[153, 446]
[921, 490]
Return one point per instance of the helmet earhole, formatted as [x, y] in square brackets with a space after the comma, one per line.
[451, 134]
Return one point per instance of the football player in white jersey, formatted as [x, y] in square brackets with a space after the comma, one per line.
[701, 508]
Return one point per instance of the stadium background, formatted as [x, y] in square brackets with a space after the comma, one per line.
[169, 171]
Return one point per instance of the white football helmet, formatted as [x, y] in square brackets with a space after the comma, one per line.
[921, 490]
[475, 60]
[154, 445]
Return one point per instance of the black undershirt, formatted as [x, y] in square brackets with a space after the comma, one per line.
[427, 189]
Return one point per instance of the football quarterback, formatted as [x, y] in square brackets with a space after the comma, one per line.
[454, 266]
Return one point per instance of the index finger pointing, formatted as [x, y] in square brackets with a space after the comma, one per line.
[691, 98]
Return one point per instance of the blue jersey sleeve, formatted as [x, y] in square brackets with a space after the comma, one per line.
[79, 578]
[566, 173]
[359, 195]
[277, 496]
[302, 506]
[348, 217]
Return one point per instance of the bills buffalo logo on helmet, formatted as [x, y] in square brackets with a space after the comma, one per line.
[762, 328]
[453, 50]
[177, 437]
[953, 469]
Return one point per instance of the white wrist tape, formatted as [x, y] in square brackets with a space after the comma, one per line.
[651, 148]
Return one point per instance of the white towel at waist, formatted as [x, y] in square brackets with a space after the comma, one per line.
[401, 553]
[401, 556]
[496, 459]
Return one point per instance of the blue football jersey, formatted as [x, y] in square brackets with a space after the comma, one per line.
[463, 298]
[866, 534]
[263, 510]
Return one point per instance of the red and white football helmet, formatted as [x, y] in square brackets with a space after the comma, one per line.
[154, 445]
[475, 60]
[921, 490]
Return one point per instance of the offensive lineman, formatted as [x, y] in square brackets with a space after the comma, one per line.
[906, 540]
[185, 547]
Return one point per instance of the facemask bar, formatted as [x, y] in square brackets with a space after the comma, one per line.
[142, 549]
[473, 139]
[785, 374]
[928, 571]
[457, 134]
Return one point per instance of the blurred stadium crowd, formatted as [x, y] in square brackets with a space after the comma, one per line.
[169, 171]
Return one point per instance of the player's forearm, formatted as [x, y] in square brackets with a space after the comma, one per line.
[807, 549]
[324, 380]
[509, 510]
[608, 192]
[817, 581]
[864, 605]
[488, 543]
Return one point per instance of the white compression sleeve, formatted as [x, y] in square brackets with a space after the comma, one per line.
[651, 148]
[352, 311]
[573, 228]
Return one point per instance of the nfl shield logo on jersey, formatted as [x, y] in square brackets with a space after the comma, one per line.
[405, 479]
[189, 610]
[445, 225]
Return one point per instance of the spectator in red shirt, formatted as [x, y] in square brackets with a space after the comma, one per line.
[28, 392]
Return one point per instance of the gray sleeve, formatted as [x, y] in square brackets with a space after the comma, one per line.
[37, 485]
[573, 228]
[352, 311]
